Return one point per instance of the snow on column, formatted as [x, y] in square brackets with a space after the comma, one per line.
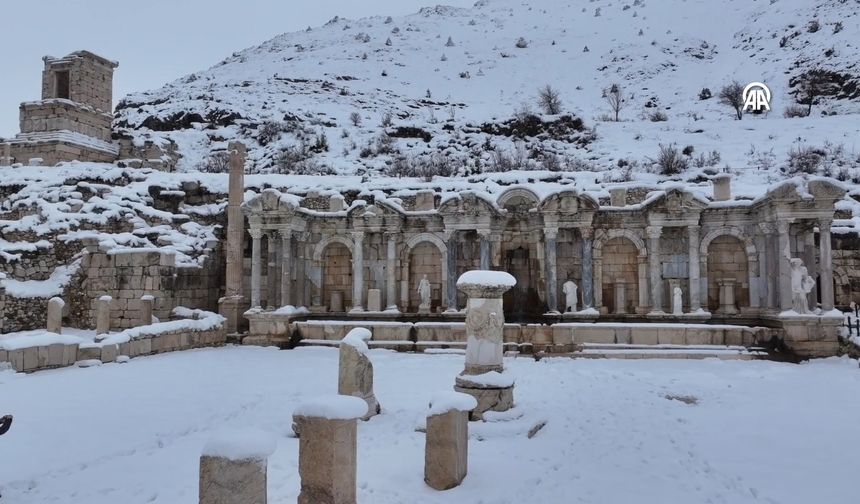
[327, 431]
[482, 377]
[103, 315]
[446, 444]
[233, 467]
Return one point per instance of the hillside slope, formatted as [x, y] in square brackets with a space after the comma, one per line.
[457, 83]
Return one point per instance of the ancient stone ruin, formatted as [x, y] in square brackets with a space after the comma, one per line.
[355, 371]
[446, 450]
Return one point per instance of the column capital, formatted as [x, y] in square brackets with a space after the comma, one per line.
[256, 233]
[767, 228]
[587, 233]
[782, 226]
[654, 232]
[485, 232]
[824, 225]
[550, 233]
[694, 228]
[357, 235]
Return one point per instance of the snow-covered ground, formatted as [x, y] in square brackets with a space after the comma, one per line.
[754, 431]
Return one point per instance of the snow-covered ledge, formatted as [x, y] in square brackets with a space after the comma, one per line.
[36, 350]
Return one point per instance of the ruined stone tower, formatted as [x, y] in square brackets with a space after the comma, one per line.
[72, 121]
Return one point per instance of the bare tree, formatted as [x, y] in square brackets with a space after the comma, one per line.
[614, 96]
[549, 100]
[733, 96]
[811, 85]
[355, 119]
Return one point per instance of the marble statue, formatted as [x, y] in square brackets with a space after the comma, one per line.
[801, 285]
[424, 294]
[677, 301]
[570, 290]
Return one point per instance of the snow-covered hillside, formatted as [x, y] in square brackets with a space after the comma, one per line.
[447, 89]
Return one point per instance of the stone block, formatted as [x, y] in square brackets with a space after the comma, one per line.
[562, 335]
[622, 335]
[734, 337]
[16, 358]
[644, 335]
[595, 334]
[226, 481]
[44, 357]
[374, 300]
[704, 337]
[109, 353]
[4, 356]
[447, 441]
[89, 353]
[31, 359]
[671, 336]
[70, 354]
[56, 355]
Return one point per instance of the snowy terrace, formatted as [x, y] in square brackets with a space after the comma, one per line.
[616, 431]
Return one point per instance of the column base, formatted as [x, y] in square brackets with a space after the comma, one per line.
[489, 398]
[232, 308]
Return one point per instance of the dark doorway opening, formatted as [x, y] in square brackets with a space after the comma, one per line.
[523, 301]
[62, 84]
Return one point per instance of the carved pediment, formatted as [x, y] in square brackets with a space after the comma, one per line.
[568, 203]
[269, 201]
[677, 201]
[467, 204]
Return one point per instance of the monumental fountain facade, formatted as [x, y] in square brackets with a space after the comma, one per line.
[665, 256]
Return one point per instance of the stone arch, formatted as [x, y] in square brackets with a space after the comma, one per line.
[417, 260]
[518, 192]
[320, 247]
[842, 286]
[749, 294]
[335, 263]
[610, 234]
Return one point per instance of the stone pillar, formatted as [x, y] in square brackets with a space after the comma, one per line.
[770, 273]
[355, 371]
[587, 267]
[327, 448]
[784, 267]
[694, 268]
[103, 315]
[358, 272]
[55, 315]
[7, 154]
[233, 468]
[722, 187]
[485, 321]
[374, 300]
[391, 273]
[642, 302]
[486, 249]
[761, 247]
[146, 303]
[335, 302]
[654, 233]
[231, 305]
[256, 267]
[727, 296]
[286, 267]
[618, 196]
[620, 297]
[446, 443]
[300, 262]
[272, 274]
[808, 237]
[826, 266]
[452, 272]
[551, 244]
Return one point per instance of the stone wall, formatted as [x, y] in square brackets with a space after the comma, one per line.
[55, 115]
[620, 263]
[90, 79]
[53, 152]
[727, 259]
[337, 274]
[425, 259]
[846, 269]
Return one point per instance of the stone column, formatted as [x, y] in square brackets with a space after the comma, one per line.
[7, 154]
[784, 267]
[286, 267]
[551, 244]
[808, 237]
[452, 272]
[55, 315]
[272, 275]
[146, 303]
[826, 265]
[727, 296]
[256, 267]
[103, 316]
[770, 271]
[486, 248]
[620, 297]
[587, 270]
[231, 306]
[355, 371]
[761, 247]
[485, 321]
[234, 469]
[654, 233]
[642, 270]
[695, 273]
[358, 272]
[391, 273]
[446, 443]
[327, 448]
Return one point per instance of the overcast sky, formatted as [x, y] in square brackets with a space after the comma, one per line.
[155, 41]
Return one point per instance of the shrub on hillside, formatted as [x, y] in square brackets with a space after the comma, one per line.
[795, 111]
[670, 161]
